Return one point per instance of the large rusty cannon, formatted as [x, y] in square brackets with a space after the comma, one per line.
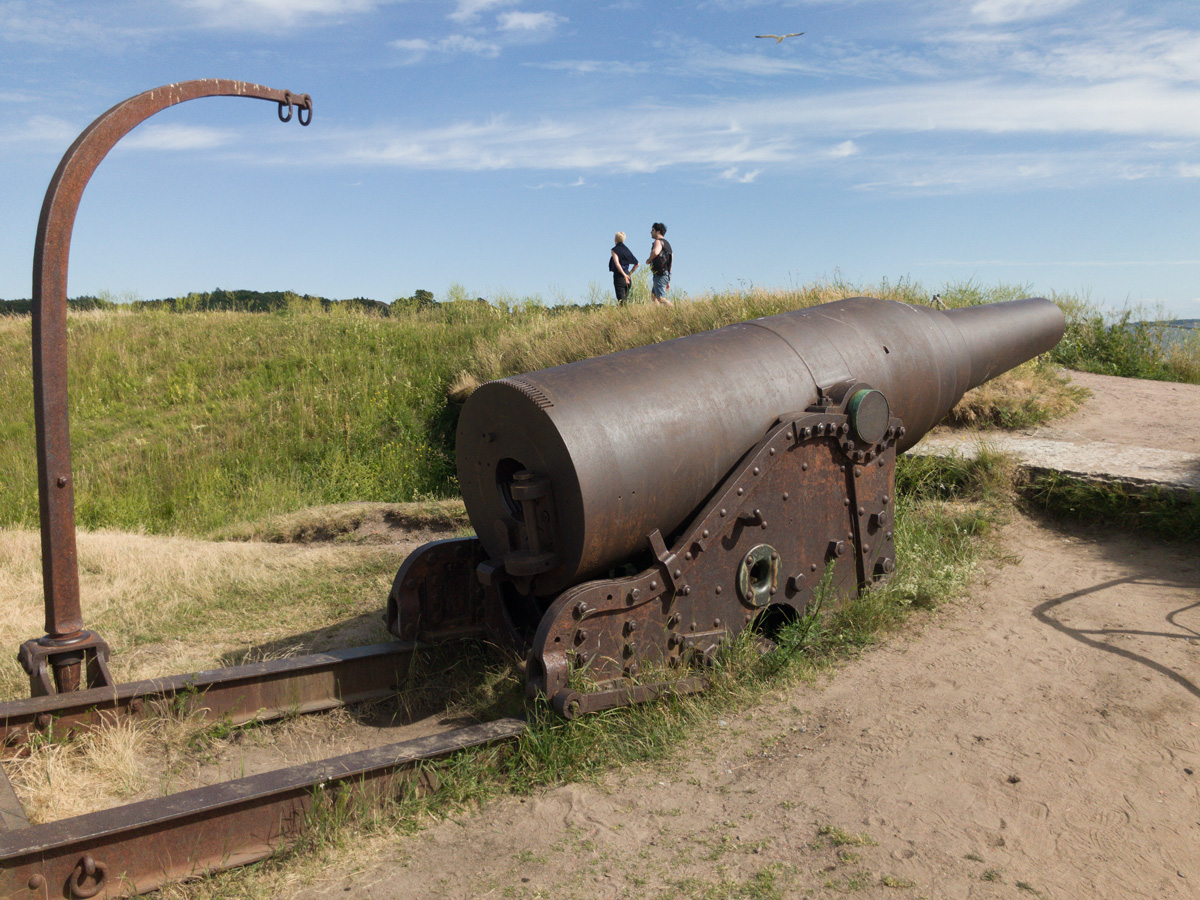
[636, 510]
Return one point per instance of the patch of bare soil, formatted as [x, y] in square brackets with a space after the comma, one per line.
[1134, 412]
[1039, 739]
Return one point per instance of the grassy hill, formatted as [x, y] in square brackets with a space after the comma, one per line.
[187, 422]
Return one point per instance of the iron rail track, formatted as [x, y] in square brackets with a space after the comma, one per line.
[139, 847]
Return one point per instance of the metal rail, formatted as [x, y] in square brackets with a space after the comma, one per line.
[139, 847]
[256, 692]
[57, 660]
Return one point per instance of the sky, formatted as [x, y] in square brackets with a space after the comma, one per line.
[493, 147]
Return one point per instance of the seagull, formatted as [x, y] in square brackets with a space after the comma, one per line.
[779, 37]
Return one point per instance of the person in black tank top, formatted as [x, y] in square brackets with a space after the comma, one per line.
[660, 260]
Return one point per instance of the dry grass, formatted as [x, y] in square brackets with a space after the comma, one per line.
[168, 604]
[99, 768]
[178, 749]
[555, 340]
[1030, 394]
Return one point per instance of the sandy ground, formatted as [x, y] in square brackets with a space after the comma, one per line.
[1040, 738]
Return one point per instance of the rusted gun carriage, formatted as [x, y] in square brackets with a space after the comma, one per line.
[633, 512]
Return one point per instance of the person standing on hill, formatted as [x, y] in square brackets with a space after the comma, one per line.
[622, 264]
[659, 261]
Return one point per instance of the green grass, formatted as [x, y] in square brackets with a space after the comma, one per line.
[1163, 514]
[187, 423]
[1125, 344]
[840, 837]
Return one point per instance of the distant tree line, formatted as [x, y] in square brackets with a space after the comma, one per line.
[275, 301]
[239, 301]
[24, 307]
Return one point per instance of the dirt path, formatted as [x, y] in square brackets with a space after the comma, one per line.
[1039, 739]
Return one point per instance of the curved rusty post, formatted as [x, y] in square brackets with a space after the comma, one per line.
[66, 645]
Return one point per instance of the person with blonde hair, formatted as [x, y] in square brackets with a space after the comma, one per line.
[622, 263]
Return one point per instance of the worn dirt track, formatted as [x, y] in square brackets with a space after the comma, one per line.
[1039, 738]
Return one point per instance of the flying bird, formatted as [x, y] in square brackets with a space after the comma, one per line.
[779, 37]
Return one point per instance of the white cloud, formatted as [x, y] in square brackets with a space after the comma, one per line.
[530, 22]
[590, 66]
[269, 13]
[469, 10]
[997, 11]
[175, 137]
[734, 174]
[41, 130]
[827, 56]
[1132, 107]
[53, 25]
[417, 49]
[937, 138]
[1116, 49]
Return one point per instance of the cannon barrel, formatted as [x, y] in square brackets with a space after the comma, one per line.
[607, 450]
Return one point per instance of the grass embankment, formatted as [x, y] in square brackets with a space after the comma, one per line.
[1028, 395]
[186, 423]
